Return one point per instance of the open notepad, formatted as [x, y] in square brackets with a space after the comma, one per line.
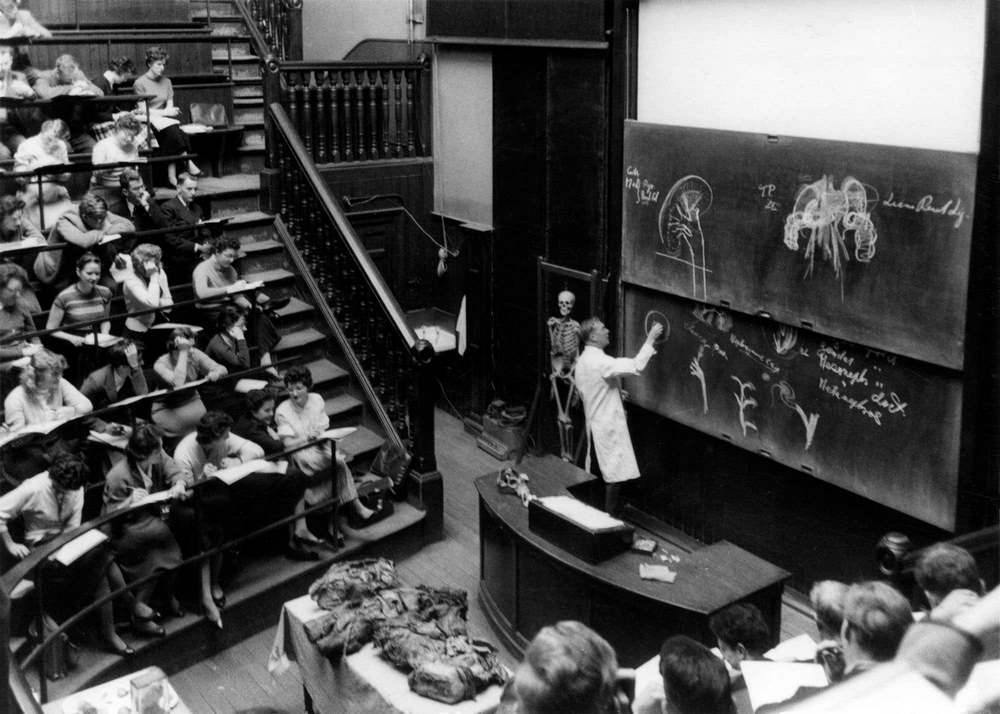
[256, 466]
[769, 682]
[83, 543]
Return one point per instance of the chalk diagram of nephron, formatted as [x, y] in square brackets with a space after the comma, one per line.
[681, 236]
[827, 216]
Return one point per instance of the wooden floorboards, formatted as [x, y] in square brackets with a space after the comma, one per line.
[237, 678]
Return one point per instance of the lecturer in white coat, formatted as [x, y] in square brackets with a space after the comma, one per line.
[598, 379]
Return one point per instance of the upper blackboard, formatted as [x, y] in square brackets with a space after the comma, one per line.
[861, 242]
[879, 425]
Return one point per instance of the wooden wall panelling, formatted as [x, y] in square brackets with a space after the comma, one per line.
[414, 258]
[133, 13]
[581, 20]
[192, 55]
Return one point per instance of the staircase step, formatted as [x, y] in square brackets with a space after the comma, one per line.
[251, 227]
[268, 245]
[248, 89]
[360, 443]
[253, 136]
[341, 405]
[248, 114]
[240, 48]
[250, 159]
[269, 276]
[299, 339]
[296, 306]
[242, 67]
[227, 26]
[218, 8]
[325, 371]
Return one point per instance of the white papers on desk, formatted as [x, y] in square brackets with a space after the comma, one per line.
[109, 238]
[174, 325]
[196, 128]
[241, 286]
[245, 385]
[102, 339]
[580, 513]
[338, 433]
[256, 466]
[769, 682]
[84, 543]
[796, 649]
[43, 428]
[117, 441]
[18, 244]
[153, 498]
[160, 122]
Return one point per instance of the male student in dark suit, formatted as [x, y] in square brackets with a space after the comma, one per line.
[140, 208]
[183, 251]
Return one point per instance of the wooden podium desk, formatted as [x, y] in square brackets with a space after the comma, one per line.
[527, 583]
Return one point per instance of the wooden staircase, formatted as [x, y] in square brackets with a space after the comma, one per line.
[232, 55]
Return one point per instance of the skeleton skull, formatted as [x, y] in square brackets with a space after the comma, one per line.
[566, 302]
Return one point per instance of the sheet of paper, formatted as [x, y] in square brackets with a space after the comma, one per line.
[161, 123]
[338, 433]
[579, 512]
[796, 649]
[43, 428]
[175, 325]
[84, 543]
[656, 572]
[769, 682]
[118, 441]
[243, 287]
[18, 244]
[158, 497]
[256, 466]
[248, 385]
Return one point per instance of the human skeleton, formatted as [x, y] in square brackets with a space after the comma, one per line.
[564, 346]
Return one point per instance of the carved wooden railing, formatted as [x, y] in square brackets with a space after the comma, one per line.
[395, 368]
[279, 23]
[347, 111]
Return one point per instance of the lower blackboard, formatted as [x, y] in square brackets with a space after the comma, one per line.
[874, 423]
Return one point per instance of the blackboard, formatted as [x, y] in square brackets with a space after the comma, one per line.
[883, 426]
[866, 243]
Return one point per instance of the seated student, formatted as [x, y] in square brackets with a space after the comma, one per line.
[119, 379]
[81, 302]
[163, 113]
[827, 599]
[178, 414]
[943, 568]
[15, 22]
[215, 276]
[144, 285]
[121, 146]
[48, 147]
[14, 228]
[120, 70]
[138, 205]
[741, 634]
[66, 79]
[15, 319]
[21, 122]
[43, 395]
[694, 680]
[142, 542]
[210, 448]
[875, 619]
[84, 228]
[228, 345]
[257, 424]
[184, 250]
[50, 504]
[567, 668]
[302, 418]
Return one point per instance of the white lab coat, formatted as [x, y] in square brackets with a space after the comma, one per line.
[598, 379]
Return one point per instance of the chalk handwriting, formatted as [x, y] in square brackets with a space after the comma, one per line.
[846, 374]
[952, 208]
[740, 344]
[859, 405]
[706, 343]
[891, 402]
[784, 339]
[645, 190]
[745, 401]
